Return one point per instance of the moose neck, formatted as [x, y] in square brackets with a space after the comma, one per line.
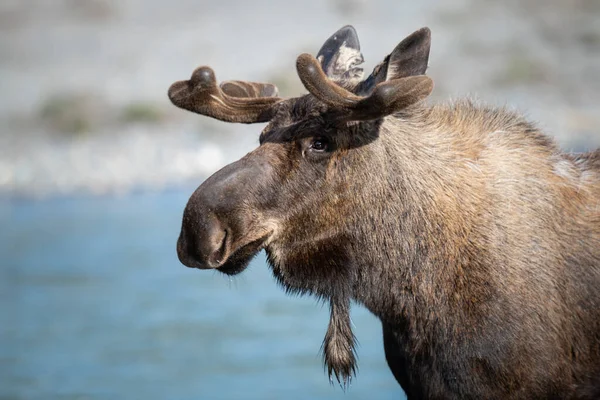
[402, 223]
[405, 233]
[418, 243]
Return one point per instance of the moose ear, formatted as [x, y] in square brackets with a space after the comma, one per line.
[409, 58]
[340, 55]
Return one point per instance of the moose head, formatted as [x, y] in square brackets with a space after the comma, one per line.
[305, 195]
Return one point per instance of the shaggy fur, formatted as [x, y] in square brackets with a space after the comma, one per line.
[472, 238]
[464, 229]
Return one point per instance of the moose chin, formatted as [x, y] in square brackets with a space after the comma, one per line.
[463, 228]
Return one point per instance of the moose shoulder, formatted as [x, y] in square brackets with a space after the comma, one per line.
[471, 236]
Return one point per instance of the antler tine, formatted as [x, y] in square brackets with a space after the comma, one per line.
[202, 95]
[387, 97]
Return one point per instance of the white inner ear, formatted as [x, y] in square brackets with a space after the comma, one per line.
[346, 58]
[346, 55]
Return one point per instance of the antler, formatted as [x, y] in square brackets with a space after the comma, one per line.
[387, 97]
[234, 101]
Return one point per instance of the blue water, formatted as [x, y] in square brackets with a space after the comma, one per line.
[95, 305]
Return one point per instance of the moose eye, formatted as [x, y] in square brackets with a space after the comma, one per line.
[319, 144]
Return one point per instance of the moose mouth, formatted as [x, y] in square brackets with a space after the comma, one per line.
[238, 260]
[224, 256]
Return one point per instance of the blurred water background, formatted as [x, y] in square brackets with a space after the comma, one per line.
[96, 167]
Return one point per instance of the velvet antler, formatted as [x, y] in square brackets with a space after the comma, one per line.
[233, 101]
[386, 98]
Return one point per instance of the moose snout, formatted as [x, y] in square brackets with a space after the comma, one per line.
[203, 242]
[218, 218]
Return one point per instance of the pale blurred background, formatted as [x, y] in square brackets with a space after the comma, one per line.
[96, 167]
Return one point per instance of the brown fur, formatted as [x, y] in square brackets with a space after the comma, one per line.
[499, 252]
[464, 229]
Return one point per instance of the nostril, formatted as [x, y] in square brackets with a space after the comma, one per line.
[219, 243]
[203, 242]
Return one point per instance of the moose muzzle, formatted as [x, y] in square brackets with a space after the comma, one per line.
[221, 224]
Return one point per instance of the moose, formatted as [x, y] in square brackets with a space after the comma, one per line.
[464, 229]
